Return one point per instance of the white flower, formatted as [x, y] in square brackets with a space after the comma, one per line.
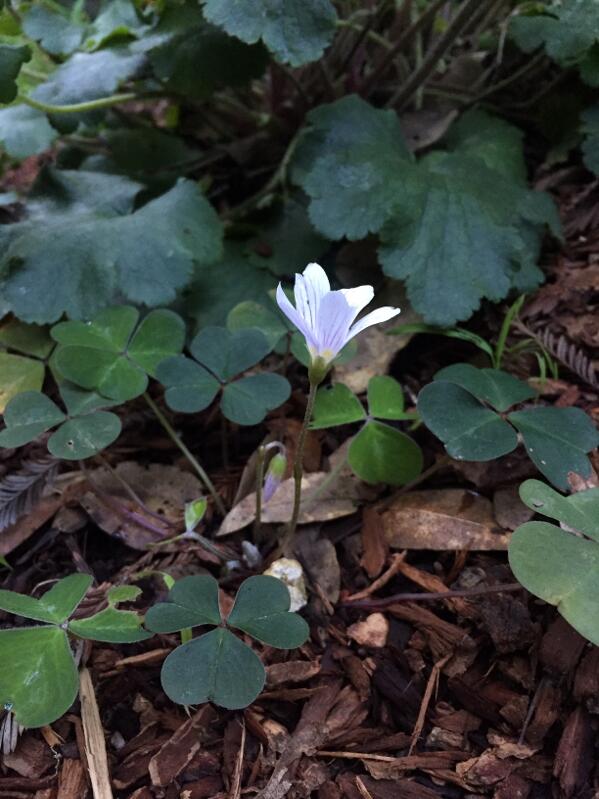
[327, 318]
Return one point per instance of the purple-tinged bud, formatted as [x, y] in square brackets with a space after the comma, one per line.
[274, 476]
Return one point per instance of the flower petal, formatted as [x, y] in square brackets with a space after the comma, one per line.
[294, 316]
[373, 318]
[310, 288]
[359, 297]
[335, 318]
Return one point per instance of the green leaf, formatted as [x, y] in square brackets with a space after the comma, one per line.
[27, 416]
[25, 131]
[261, 610]
[469, 430]
[192, 601]
[55, 32]
[11, 61]
[562, 569]
[117, 19]
[352, 164]
[247, 401]
[228, 354]
[18, 374]
[85, 436]
[385, 398]
[498, 388]
[336, 405]
[590, 145]
[76, 252]
[249, 314]
[557, 440]
[189, 387]
[194, 513]
[381, 454]
[38, 679]
[106, 354]
[139, 151]
[295, 31]
[55, 606]
[28, 339]
[111, 626]
[217, 667]
[579, 511]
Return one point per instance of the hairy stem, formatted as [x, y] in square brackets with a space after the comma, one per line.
[198, 468]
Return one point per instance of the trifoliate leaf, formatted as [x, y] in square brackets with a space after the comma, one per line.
[557, 440]
[56, 33]
[352, 164]
[38, 679]
[381, 454]
[228, 354]
[261, 610]
[189, 387]
[217, 667]
[295, 31]
[25, 131]
[55, 606]
[247, 401]
[191, 602]
[335, 405]
[12, 59]
[498, 388]
[79, 247]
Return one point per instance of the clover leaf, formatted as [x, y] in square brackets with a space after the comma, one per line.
[219, 357]
[12, 59]
[455, 406]
[378, 453]
[217, 666]
[113, 353]
[83, 431]
[557, 564]
[38, 679]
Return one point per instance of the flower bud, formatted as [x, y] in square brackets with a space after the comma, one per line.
[274, 476]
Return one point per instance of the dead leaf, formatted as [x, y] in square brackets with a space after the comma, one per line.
[374, 543]
[373, 631]
[319, 558]
[181, 747]
[446, 519]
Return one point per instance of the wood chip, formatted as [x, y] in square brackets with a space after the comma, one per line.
[181, 747]
[95, 745]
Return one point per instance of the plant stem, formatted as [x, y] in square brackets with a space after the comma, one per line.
[260, 458]
[170, 431]
[78, 108]
[298, 466]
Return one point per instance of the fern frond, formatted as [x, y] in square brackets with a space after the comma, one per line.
[20, 490]
[570, 355]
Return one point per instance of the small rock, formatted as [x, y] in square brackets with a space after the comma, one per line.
[371, 632]
[290, 572]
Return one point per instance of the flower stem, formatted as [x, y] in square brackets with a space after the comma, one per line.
[170, 431]
[298, 466]
[79, 108]
[260, 458]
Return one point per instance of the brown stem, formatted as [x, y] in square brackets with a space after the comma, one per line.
[373, 604]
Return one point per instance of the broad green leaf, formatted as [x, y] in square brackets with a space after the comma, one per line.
[18, 374]
[28, 339]
[562, 569]
[567, 30]
[116, 20]
[191, 602]
[12, 59]
[110, 330]
[251, 314]
[143, 151]
[56, 33]
[27, 416]
[557, 440]
[381, 454]
[111, 626]
[55, 606]
[261, 610]
[385, 398]
[189, 387]
[248, 400]
[352, 164]
[579, 511]
[85, 436]
[228, 354]
[38, 679]
[590, 145]
[335, 405]
[25, 131]
[469, 430]
[498, 388]
[217, 667]
[295, 31]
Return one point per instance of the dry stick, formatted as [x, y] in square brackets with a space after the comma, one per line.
[432, 683]
[469, 11]
[95, 745]
[170, 431]
[373, 604]
[380, 582]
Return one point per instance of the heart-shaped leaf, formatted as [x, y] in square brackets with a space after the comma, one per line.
[385, 398]
[55, 606]
[189, 387]
[216, 667]
[579, 511]
[85, 436]
[557, 440]
[27, 416]
[38, 678]
[191, 602]
[561, 568]
[228, 354]
[336, 405]
[499, 389]
[469, 430]
[247, 401]
[381, 454]
[261, 609]
[249, 314]
[109, 356]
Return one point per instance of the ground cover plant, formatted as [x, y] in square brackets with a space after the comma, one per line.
[298, 453]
